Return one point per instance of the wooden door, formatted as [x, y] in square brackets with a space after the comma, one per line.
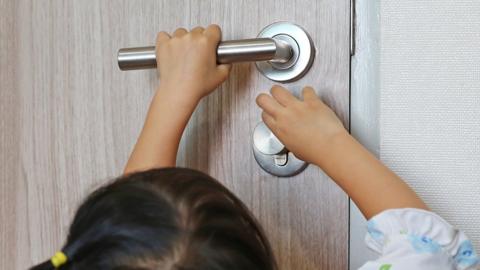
[69, 118]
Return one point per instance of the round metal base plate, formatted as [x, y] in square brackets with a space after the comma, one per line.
[293, 165]
[302, 47]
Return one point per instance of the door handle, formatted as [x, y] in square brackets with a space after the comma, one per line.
[283, 52]
[245, 50]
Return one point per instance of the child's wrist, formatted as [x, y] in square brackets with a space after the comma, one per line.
[179, 94]
[333, 144]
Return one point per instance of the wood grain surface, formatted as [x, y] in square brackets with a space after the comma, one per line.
[69, 118]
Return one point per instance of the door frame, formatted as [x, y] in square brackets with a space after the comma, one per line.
[364, 109]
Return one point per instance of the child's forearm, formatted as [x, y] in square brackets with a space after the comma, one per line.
[371, 185]
[188, 71]
[158, 142]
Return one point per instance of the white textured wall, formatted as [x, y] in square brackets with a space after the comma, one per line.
[430, 103]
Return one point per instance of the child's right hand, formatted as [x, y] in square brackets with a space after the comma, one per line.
[305, 127]
[187, 62]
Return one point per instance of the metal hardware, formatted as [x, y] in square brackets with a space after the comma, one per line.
[266, 142]
[283, 52]
[246, 50]
[303, 52]
[249, 50]
[137, 58]
[272, 156]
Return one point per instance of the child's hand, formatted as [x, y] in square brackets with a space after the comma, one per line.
[305, 127]
[187, 62]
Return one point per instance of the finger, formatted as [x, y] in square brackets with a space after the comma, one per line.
[268, 104]
[269, 121]
[214, 32]
[162, 37]
[180, 32]
[282, 95]
[198, 30]
[224, 70]
[309, 94]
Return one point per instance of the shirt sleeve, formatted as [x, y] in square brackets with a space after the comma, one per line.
[417, 239]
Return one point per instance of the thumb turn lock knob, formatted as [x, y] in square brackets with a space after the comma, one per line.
[271, 154]
[266, 142]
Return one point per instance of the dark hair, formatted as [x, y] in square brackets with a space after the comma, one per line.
[170, 218]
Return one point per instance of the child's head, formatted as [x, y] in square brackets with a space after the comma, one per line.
[165, 219]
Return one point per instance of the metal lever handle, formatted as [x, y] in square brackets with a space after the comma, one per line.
[245, 50]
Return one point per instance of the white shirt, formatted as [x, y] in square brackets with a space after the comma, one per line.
[414, 239]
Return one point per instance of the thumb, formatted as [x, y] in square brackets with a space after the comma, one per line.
[223, 71]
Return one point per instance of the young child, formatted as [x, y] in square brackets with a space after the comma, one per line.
[174, 218]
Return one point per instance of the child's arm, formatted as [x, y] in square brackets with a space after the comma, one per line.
[188, 71]
[312, 131]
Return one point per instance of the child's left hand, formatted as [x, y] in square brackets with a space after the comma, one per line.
[187, 62]
[306, 127]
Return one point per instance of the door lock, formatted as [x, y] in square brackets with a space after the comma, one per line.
[271, 154]
[283, 51]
